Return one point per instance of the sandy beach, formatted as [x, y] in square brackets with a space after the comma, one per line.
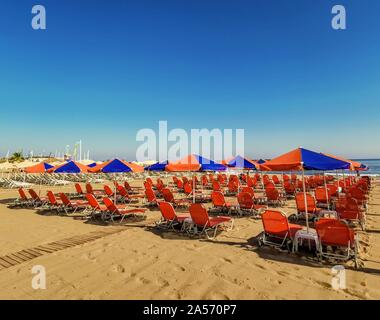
[137, 261]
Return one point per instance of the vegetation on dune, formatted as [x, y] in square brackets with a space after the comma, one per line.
[16, 157]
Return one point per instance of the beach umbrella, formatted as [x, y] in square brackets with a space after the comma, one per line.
[117, 166]
[261, 161]
[194, 162]
[158, 166]
[39, 168]
[70, 167]
[301, 159]
[243, 163]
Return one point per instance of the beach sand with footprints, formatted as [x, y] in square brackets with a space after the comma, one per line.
[85, 260]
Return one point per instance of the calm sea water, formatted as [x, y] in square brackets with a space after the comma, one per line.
[373, 164]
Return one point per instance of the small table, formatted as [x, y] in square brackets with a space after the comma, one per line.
[305, 235]
[188, 224]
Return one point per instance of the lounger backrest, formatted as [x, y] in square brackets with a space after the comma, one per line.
[179, 184]
[65, 200]
[160, 186]
[274, 222]
[357, 193]
[204, 180]
[123, 191]
[340, 205]
[149, 193]
[110, 205]
[321, 194]
[78, 188]
[215, 185]
[199, 214]
[352, 204]
[233, 186]
[272, 194]
[159, 182]
[245, 199]
[300, 202]
[150, 181]
[289, 188]
[108, 191]
[251, 182]
[187, 187]
[333, 189]
[92, 201]
[89, 188]
[147, 185]
[127, 185]
[167, 210]
[22, 194]
[51, 198]
[217, 199]
[334, 232]
[167, 194]
[248, 190]
[275, 179]
[269, 185]
[33, 194]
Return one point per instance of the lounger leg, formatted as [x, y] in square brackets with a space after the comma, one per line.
[216, 229]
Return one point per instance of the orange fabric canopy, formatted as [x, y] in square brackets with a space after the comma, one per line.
[39, 168]
[188, 163]
[135, 167]
[286, 162]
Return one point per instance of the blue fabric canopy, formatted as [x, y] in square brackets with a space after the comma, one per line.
[209, 165]
[91, 165]
[158, 166]
[316, 161]
[115, 166]
[261, 161]
[69, 167]
[242, 163]
[48, 166]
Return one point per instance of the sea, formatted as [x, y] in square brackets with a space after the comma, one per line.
[373, 164]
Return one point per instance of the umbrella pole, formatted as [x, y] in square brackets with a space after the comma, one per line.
[337, 179]
[344, 180]
[304, 196]
[194, 188]
[327, 193]
[115, 188]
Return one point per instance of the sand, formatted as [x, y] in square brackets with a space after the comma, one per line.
[136, 261]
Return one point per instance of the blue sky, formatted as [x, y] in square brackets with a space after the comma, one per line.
[104, 69]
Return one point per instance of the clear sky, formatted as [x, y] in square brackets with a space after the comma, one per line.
[104, 69]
